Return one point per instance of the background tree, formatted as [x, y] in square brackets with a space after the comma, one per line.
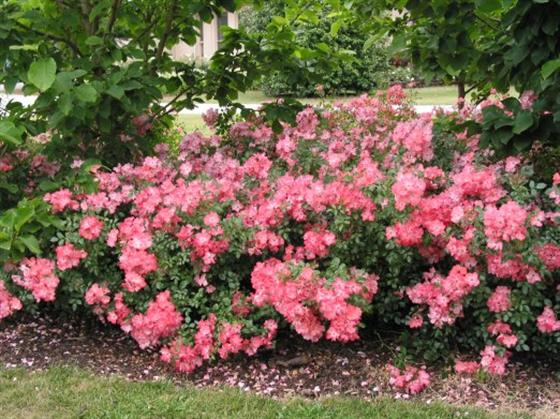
[368, 66]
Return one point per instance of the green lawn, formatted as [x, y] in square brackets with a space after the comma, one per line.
[437, 95]
[64, 392]
[192, 123]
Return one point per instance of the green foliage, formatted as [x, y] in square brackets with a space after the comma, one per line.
[484, 44]
[22, 227]
[102, 69]
[367, 67]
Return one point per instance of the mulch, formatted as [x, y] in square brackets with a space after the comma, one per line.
[293, 368]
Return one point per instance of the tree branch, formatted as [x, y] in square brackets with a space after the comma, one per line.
[66, 41]
[113, 17]
[167, 29]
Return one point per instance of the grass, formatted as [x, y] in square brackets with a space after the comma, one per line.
[192, 123]
[64, 392]
[436, 95]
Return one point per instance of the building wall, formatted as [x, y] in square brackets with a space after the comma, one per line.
[206, 45]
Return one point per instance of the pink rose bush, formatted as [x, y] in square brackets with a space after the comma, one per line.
[363, 214]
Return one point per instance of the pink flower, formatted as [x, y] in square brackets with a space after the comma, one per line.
[504, 224]
[408, 189]
[60, 200]
[212, 219]
[112, 237]
[547, 322]
[160, 320]
[550, 255]
[412, 380]
[119, 315]
[210, 117]
[97, 295]
[466, 367]
[38, 277]
[67, 256]
[512, 163]
[507, 340]
[257, 166]
[136, 264]
[317, 243]
[527, 99]
[416, 136]
[556, 178]
[416, 321]
[499, 300]
[8, 303]
[91, 227]
[492, 362]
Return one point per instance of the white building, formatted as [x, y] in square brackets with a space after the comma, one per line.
[208, 42]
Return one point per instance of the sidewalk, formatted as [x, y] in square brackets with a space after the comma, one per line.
[202, 108]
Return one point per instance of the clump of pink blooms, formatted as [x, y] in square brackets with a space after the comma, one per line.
[412, 380]
[547, 322]
[499, 300]
[443, 295]
[160, 320]
[68, 256]
[294, 295]
[91, 228]
[39, 277]
[8, 303]
[466, 367]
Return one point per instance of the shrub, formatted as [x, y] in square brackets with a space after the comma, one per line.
[365, 213]
[370, 67]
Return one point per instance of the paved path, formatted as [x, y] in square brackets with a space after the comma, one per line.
[200, 109]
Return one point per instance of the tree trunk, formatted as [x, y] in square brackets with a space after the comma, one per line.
[461, 93]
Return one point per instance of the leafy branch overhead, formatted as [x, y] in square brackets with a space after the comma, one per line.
[98, 65]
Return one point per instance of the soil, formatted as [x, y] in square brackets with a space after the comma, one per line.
[293, 368]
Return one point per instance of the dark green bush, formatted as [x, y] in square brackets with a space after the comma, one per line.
[370, 68]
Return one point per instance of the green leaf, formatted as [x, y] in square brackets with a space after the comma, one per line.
[23, 215]
[10, 187]
[86, 93]
[94, 40]
[64, 79]
[115, 91]
[31, 243]
[65, 104]
[10, 133]
[335, 27]
[550, 67]
[7, 219]
[279, 20]
[523, 121]
[42, 73]
[48, 186]
[488, 6]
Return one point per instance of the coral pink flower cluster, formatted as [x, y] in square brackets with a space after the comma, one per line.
[68, 257]
[8, 303]
[39, 277]
[91, 228]
[547, 322]
[412, 380]
[443, 295]
[292, 296]
[160, 320]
